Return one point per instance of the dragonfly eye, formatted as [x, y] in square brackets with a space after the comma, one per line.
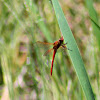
[61, 41]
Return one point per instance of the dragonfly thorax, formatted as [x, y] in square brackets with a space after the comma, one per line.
[57, 44]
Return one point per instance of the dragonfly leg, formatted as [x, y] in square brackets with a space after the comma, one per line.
[65, 46]
[65, 43]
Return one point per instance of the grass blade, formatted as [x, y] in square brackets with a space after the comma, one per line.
[7, 76]
[39, 19]
[95, 23]
[74, 54]
[93, 15]
[96, 30]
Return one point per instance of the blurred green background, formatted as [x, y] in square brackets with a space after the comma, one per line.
[24, 71]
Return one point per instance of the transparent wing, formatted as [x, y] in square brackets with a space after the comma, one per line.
[45, 43]
[47, 52]
[44, 46]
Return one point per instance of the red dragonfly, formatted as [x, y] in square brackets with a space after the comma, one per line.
[56, 45]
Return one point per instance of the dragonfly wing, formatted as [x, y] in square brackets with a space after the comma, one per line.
[45, 43]
[47, 52]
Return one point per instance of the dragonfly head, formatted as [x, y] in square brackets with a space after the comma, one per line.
[61, 40]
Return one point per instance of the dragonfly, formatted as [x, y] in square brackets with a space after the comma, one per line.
[56, 45]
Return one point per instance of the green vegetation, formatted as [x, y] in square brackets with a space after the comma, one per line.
[75, 55]
[25, 73]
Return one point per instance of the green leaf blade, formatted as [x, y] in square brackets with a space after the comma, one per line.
[74, 54]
